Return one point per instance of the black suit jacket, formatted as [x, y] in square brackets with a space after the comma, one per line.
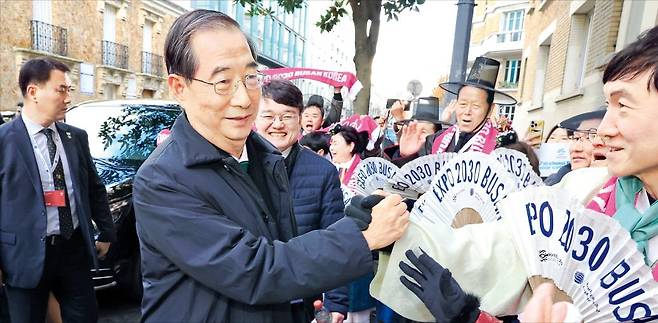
[22, 209]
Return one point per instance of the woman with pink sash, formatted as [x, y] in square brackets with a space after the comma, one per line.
[346, 146]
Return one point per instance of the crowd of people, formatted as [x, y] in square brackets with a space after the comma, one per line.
[240, 212]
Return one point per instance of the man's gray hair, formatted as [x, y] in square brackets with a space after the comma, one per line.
[179, 56]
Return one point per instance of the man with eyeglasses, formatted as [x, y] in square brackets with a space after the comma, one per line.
[314, 185]
[49, 194]
[585, 149]
[214, 216]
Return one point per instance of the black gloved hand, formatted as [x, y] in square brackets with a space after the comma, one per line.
[410, 204]
[437, 289]
[360, 209]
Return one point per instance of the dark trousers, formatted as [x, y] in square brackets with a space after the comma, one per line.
[66, 273]
[300, 313]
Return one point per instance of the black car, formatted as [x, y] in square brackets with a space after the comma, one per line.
[122, 134]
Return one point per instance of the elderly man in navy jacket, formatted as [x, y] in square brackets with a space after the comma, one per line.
[315, 186]
[212, 203]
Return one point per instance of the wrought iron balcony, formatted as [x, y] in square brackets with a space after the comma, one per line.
[152, 64]
[115, 54]
[49, 38]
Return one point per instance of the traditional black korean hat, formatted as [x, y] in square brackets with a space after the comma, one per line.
[483, 75]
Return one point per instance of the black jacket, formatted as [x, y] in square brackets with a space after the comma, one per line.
[335, 111]
[22, 208]
[213, 250]
[318, 203]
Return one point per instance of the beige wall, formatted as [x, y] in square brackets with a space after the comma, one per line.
[487, 17]
[555, 17]
[84, 23]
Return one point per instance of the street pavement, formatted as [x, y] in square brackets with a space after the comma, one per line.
[114, 307]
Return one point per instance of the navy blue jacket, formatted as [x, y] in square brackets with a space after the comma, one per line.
[212, 252]
[318, 203]
[23, 210]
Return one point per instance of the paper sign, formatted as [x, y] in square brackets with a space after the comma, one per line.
[552, 156]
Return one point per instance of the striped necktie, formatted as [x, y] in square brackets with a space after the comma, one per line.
[65, 218]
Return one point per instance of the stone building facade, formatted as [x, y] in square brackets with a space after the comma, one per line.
[566, 48]
[114, 48]
[559, 49]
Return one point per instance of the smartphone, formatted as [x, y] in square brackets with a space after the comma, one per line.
[537, 129]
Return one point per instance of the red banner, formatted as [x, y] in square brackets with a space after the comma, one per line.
[332, 78]
[358, 122]
[361, 123]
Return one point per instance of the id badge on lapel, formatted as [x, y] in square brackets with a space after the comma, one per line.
[55, 198]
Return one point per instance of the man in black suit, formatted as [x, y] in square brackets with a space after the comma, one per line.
[49, 195]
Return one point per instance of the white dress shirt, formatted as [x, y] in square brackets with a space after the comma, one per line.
[40, 149]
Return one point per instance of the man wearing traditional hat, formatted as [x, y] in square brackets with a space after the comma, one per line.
[474, 131]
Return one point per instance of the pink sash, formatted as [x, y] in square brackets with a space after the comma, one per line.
[605, 202]
[348, 175]
[484, 141]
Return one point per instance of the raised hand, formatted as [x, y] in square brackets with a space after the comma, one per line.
[412, 139]
[448, 111]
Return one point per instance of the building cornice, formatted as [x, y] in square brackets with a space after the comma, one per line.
[67, 59]
[164, 8]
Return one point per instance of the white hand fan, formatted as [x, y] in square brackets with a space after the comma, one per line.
[471, 180]
[418, 174]
[347, 194]
[588, 255]
[371, 174]
[518, 165]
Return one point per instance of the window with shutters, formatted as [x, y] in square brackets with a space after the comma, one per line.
[574, 68]
[540, 73]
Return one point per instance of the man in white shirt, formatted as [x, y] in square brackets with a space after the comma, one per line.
[49, 195]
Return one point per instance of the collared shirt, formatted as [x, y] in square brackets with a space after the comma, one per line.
[244, 157]
[345, 165]
[286, 152]
[40, 149]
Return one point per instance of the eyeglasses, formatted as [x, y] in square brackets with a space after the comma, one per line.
[226, 87]
[287, 118]
[582, 135]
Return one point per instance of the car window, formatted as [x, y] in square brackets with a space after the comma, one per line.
[124, 134]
